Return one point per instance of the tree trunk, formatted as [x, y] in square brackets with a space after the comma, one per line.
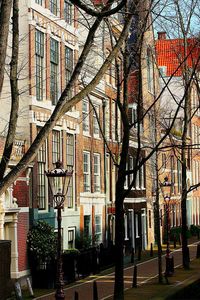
[157, 227]
[119, 243]
[5, 11]
[14, 91]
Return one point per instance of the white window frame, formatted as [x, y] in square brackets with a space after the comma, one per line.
[97, 172]
[71, 229]
[98, 233]
[85, 117]
[86, 174]
[95, 121]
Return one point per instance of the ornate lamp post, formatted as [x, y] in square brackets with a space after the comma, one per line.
[169, 257]
[59, 180]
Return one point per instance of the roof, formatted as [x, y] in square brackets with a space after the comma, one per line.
[170, 53]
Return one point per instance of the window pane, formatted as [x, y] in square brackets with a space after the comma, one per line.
[41, 177]
[86, 171]
[39, 53]
[54, 71]
[56, 147]
[68, 12]
[85, 116]
[53, 6]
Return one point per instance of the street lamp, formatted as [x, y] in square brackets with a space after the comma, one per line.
[59, 180]
[169, 258]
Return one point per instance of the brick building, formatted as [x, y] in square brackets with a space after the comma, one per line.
[170, 57]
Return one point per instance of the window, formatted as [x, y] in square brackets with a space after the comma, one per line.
[131, 166]
[86, 172]
[97, 174]
[179, 175]
[53, 6]
[71, 237]
[85, 116]
[39, 62]
[172, 174]
[68, 63]
[54, 71]
[95, 121]
[41, 177]
[107, 120]
[56, 153]
[87, 231]
[126, 178]
[68, 12]
[114, 120]
[98, 227]
[70, 163]
[149, 70]
[134, 116]
[108, 176]
[141, 177]
[38, 2]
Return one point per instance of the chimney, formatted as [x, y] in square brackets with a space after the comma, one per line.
[162, 35]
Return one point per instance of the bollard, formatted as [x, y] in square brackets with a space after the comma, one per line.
[134, 284]
[151, 250]
[132, 255]
[169, 264]
[198, 251]
[95, 292]
[76, 295]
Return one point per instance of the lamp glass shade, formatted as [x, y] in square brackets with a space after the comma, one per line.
[59, 180]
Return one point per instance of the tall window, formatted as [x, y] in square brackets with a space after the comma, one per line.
[95, 121]
[172, 174]
[97, 172]
[86, 172]
[98, 227]
[53, 6]
[68, 63]
[131, 166]
[68, 12]
[71, 237]
[56, 149]
[39, 57]
[41, 177]
[54, 71]
[38, 2]
[134, 116]
[108, 176]
[70, 163]
[85, 115]
[179, 179]
[87, 231]
[114, 120]
[107, 120]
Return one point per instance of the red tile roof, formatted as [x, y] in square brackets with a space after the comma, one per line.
[170, 52]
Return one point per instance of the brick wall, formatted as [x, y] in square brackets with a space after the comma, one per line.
[22, 230]
[21, 192]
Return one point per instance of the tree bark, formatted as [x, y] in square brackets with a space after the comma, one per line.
[5, 11]
[14, 91]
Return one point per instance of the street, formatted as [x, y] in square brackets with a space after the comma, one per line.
[105, 284]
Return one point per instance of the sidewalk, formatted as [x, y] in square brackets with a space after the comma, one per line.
[177, 288]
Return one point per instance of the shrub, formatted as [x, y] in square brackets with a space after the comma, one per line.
[42, 242]
[194, 230]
